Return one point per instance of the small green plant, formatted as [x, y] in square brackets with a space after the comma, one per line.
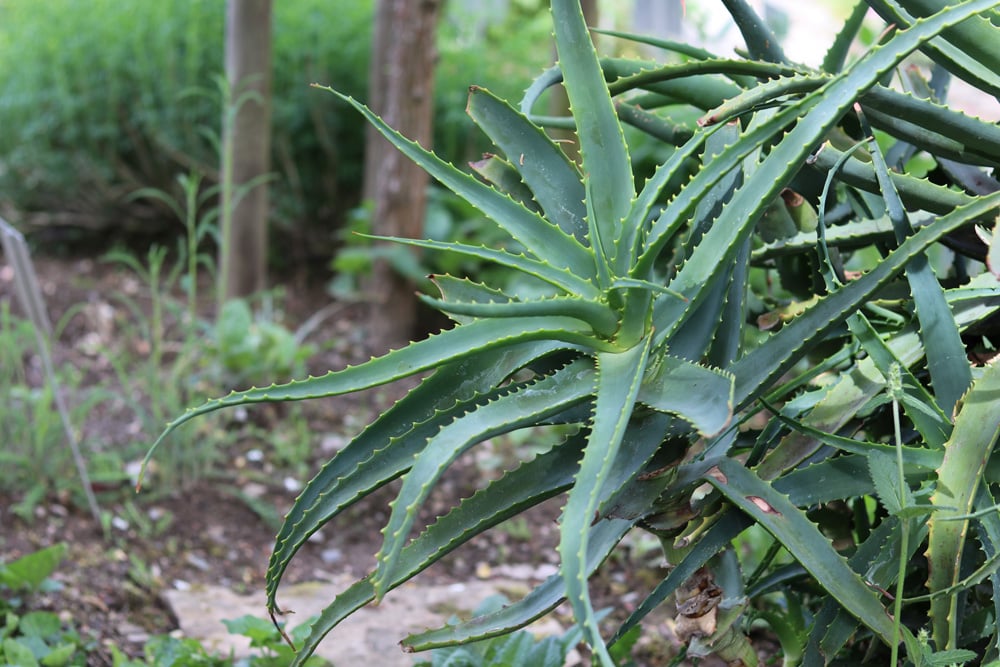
[31, 638]
[635, 330]
[250, 350]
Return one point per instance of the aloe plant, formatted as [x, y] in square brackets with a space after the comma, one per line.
[630, 322]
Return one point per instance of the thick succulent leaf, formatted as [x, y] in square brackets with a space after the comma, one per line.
[928, 418]
[837, 54]
[603, 537]
[522, 406]
[762, 44]
[977, 427]
[803, 540]
[698, 394]
[816, 114]
[915, 192]
[877, 560]
[968, 50]
[542, 238]
[701, 91]
[385, 449]
[524, 487]
[451, 345]
[544, 168]
[618, 380]
[835, 478]
[862, 383]
[600, 316]
[563, 279]
[762, 365]
[949, 368]
[503, 176]
[606, 166]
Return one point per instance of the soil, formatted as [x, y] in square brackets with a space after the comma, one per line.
[218, 527]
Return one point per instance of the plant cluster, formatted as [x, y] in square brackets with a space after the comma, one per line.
[849, 427]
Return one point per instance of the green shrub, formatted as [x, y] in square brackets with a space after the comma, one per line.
[637, 331]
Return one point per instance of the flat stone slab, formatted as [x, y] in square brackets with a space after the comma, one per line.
[370, 636]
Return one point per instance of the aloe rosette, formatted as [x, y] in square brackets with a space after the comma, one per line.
[633, 330]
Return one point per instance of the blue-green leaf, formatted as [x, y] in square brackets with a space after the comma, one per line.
[606, 166]
[618, 380]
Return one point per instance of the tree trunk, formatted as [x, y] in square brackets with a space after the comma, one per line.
[401, 91]
[246, 150]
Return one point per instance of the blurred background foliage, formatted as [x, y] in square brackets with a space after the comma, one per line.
[99, 99]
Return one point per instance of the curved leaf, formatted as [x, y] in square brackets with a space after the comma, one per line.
[386, 447]
[618, 380]
[545, 169]
[606, 165]
[977, 427]
[539, 236]
[526, 486]
[521, 406]
[450, 345]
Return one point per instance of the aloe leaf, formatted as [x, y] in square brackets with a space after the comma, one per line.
[835, 478]
[618, 379]
[949, 368]
[668, 130]
[877, 560]
[761, 42]
[923, 410]
[915, 192]
[697, 394]
[606, 165]
[386, 447]
[601, 317]
[629, 503]
[562, 278]
[648, 78]
[524, 405]
[862, 383]
[836, 55]
[505, 178]
[977, 426]
[521, 488]
[760, 366]
[544, 168]
[803, 540]
[602, 538]
[968, 50]
[450, 345]
[763, 94]
[700, 91]
[915, 456]
[975, 134]
[541, 237]
[814, 120]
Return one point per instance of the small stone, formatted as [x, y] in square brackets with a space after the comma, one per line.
[318, 537]
[254, 490]
[119, 523]
[331, 556]
[255, 456]
[292, 485]
[198, 562]
[181, 585]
